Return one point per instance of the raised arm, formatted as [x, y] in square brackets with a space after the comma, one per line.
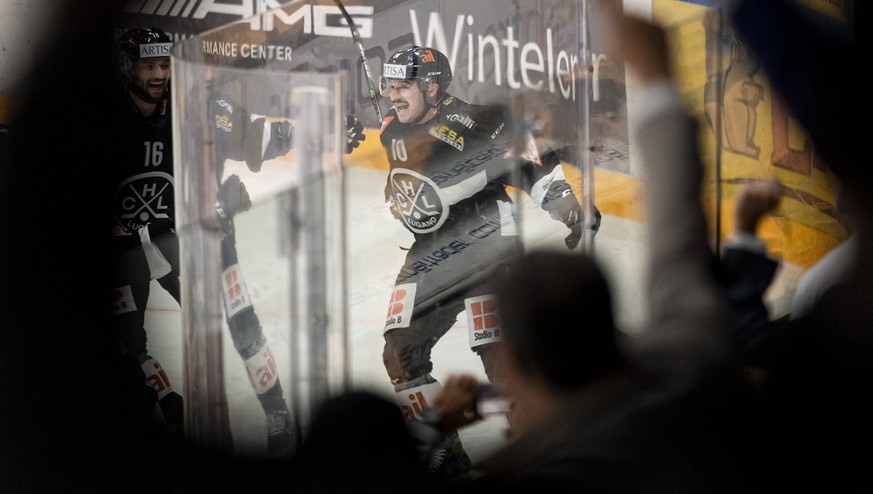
[688, 324]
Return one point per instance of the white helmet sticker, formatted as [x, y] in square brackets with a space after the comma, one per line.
[155, 50]
[395, 71]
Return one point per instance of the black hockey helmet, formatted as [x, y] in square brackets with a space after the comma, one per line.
[141, 43]
[149, 42]
[419, 63]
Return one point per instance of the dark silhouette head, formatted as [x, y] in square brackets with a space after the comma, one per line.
[556, 316]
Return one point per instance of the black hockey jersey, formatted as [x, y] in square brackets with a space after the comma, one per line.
[459, 164]
[143, 173]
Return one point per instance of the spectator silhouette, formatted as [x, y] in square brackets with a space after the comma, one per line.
[747, 271]
[359, 442]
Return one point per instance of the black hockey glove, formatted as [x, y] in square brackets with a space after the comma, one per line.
[572, 240]
[354, 133]
[280, 140]
[567, 210]
[232, 197]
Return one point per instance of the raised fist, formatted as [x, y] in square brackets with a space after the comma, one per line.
[354, 133]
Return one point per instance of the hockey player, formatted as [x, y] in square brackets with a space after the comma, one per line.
[450, 164]
[143, 228]
[143, 241]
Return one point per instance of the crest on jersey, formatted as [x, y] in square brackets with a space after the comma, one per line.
[418, 200]
[144, 198]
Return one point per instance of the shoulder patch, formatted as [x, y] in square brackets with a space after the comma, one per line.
[385, 123]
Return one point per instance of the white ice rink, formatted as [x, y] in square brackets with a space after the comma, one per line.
[374, 240]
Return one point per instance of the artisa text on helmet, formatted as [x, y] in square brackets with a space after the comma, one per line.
[155, 50]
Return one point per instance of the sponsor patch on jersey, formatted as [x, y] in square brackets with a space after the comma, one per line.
[261, 368]
[400, 307]
[483, 324]
[156, 377]
[122, 300]
[236, 295]
[418, 199]
[222, 122]
[448, 135]
[415, 400]
[464, 120]
[385, 123]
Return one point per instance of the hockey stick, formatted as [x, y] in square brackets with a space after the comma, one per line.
[357, 37]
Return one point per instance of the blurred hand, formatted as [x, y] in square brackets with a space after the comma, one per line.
[456, 401]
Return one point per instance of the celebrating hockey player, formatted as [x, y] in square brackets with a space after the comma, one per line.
[143, 231]
[450, 165]
[143, 241]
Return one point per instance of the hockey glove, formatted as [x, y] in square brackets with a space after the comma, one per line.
[280, 140]
[567, 210]
[232, 197]
[572, 240]
[354, 133]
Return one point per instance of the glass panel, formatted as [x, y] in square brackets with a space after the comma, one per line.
[321, 248]
[264, 308]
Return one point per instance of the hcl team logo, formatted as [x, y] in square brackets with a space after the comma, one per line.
[144, 198]
[418, 200]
